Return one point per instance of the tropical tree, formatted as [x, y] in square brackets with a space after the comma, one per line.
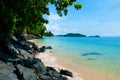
[26, 16]
[48, 34]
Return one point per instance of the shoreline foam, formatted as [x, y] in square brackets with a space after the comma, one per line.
[80, 73]
[50, 60]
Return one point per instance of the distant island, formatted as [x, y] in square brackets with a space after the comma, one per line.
[76, 35]
[95, 36]
[73, 35]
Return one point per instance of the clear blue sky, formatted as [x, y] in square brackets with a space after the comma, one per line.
[97, 17]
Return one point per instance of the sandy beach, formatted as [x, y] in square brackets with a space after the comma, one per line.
[50, 60]
[79, 73]
[54, 61]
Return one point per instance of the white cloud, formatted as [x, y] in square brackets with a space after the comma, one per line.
[54, 17]
[56, 29]
[53, 27]
[54, 24]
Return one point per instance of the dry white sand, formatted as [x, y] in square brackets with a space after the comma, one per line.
[50, 60]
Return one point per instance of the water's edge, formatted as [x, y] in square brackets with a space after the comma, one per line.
[98, 54]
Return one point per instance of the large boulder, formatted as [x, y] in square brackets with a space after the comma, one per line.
[33, 63]
[49, 47]
[25, 73]
[43, 48]
[38, 65]
[26, 45]
[52, 74]
[12, 49]
[6, 58]
[44, 77]
[66, 72]
[14, 38]
[23, 53]
[18, 53]
[7, 72]
[36, 48]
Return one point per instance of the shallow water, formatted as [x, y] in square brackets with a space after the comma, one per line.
[102, 54]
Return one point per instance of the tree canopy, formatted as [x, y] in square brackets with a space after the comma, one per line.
[48, 34]
[26, 16]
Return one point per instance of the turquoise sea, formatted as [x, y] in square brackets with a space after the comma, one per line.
[102, 54]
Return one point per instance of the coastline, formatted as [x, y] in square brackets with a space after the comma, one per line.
[18, 62]
[52, 61]
[49, 59]
[79, 73]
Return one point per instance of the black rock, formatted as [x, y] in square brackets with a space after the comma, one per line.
[24, 54]
[36, 48]
[16, 63]
[66, 72]
[62, 78]
[52, 72]
[20, 37]
[43, 48]
[33, 63]
[7, 72]
[24, 73]
[12, 49]
[44, 77]
[27, 47]
[32, 36]
[6, 58]
[50, 68]
[49, 47]
[14, 38]
[38, 65]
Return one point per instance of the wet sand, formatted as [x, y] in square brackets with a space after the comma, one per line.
[79, 73]
[50, 60]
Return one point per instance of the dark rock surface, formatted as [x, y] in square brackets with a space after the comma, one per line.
[49, 47]
[32, 36]
[36, 48]
[43, 48]
[17, 61]
[24, 54]
[25, 73]
[66, 72]
[7, 72]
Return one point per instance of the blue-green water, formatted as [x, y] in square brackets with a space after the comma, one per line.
[101, 54]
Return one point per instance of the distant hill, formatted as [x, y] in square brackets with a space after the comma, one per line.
[95, 36]
[73, 35]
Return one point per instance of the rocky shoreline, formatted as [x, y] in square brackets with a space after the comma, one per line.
[49, 59]
[17, 61]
